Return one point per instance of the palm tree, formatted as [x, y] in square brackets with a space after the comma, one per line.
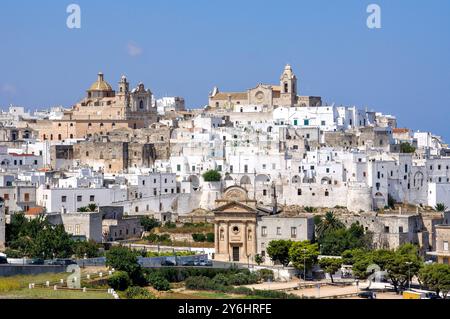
[440, 207]
[88, 209]
[328, 224]
[92, 207]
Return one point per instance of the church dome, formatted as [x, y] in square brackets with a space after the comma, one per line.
[100, 84]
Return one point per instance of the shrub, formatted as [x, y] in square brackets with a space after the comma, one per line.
[221, 279]
[158, 282]
[119, 281]
[210, 237]
[181, 274]
[138, 293]
[159, 239]
[265, 274]
[170, 225]
[212, 176]
[148, 223]
[199, 237]
[242, 279]
[201, 283]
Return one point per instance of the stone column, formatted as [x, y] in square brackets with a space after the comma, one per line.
[227, 239]
[216, 238]
[255, 244]
[245, 248]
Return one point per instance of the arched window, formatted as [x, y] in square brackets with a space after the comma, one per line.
[286, 87]
[141, 104]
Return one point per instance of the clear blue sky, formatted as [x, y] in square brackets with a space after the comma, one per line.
[184, 48]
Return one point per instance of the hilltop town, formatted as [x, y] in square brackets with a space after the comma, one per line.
[258, 165]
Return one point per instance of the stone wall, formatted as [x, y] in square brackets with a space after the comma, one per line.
[15, 270]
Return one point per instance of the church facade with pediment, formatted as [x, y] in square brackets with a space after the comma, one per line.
[235, 226]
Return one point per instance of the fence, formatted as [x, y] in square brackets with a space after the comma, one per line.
[148, 262]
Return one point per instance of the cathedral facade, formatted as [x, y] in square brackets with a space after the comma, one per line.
[102, 110]
[270, 96]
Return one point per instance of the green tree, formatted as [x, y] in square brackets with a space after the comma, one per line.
[403, 265]
[278, 251]
[149, 223]
[258, 259]
[37, 238]
[303, 253]
[124, 259]
[330, 265]
[335, 242]
[328, 224]
[90, 249]
[406, 147]
[436, 277]
[350, 256]
[212, 176]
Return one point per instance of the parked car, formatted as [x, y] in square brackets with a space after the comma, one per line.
[367, 295]
[37, 261]
[188, 263]
[3, 260]
[167, 263]
[62, 262]
[205, 263]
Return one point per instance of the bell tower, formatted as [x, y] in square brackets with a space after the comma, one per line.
[124, 86]
[288, 83]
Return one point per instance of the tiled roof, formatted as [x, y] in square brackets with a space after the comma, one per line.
[234, 96]
[34, 211]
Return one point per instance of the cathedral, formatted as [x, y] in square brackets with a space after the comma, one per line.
[102, 110]
[271, 96]
[102, 102]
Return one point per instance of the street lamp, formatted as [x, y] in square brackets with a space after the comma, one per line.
[304, 264]
[409, 274]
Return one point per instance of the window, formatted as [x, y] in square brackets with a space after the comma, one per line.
[63, 199]
[245, 168]
[400, 229]
[77, 229]
[386, 229]
[445, 245]
[92, 198]
[264, 231]
[293, 232]
[327, 193]
[79, 198]
[299, 192]
[6, 196]
[264, 192]
[278, 231]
